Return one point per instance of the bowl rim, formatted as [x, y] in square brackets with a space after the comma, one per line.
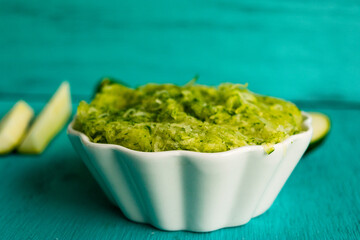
[85, 140]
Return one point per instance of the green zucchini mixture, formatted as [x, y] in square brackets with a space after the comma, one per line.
[153, 118]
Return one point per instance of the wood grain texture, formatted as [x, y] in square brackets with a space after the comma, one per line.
[53, 196]
[279, 47]
[301, 50]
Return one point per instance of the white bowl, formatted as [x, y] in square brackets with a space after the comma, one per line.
[184, 190]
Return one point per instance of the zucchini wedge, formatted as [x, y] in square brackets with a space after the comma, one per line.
[51, 120]
[13, 126]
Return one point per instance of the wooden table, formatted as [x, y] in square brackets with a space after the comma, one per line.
[307, 52]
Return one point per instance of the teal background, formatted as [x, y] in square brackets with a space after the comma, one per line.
[304, 51]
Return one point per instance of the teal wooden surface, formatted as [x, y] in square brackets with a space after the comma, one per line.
[53, 196]
[279, 47]
[304, 51]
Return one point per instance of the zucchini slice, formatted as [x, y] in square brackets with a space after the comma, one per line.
[50, 121]
[13, 126]
[321, 126]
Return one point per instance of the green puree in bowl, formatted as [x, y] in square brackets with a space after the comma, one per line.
[154, 118]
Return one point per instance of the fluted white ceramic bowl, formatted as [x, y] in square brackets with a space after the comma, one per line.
[184, 190]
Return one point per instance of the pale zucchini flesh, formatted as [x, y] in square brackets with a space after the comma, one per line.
[321, 126]
[13, 126]
[50, 121]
